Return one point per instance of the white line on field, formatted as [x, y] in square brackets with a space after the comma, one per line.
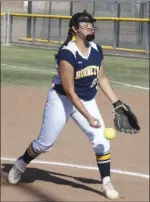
[130, 85]
[80, 167]
[27, 68]
[53, 72]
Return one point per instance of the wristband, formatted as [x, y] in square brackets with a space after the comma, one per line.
[117, 103]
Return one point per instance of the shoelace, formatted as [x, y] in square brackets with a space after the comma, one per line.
[17, 174]
[109, 185]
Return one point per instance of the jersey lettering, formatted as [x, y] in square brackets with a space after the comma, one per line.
[87, 71]
[94, 83]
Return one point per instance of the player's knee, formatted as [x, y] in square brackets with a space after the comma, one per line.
[101, 146]
[44, 148]
[41, 147]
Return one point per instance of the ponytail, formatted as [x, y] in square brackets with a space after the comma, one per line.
[69, 38]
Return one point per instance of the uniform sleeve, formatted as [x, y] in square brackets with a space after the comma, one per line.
[100, 50]
[67, 56]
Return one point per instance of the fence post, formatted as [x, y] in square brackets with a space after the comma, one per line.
[71, 8]
[93, 8]
[8, 27]
[11, 27]
[34, 25]
[4, 28]
[49, 20]
[115, 31]
[118, 25]
[147, 39]
[141, 25]
[148, 36]
[117, 28]
[29, 19]
[59, 30]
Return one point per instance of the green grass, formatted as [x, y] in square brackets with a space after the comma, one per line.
[29, 57]
[127, 70]
[35, 66]
[26, 78]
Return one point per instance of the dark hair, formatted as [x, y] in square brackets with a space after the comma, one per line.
[74, 21]
[69, 38]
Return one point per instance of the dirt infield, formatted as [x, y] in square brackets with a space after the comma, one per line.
[21, 116]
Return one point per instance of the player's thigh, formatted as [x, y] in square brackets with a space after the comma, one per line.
[95, 135]
[56, 113]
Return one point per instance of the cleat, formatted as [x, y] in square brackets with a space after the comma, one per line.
[16, 172]
[109, 191]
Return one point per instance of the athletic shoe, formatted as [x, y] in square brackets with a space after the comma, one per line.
[16, 172]
[109, 191]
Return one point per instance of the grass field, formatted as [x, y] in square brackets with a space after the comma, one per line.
[35, 67]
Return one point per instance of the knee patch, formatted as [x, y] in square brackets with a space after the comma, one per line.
[102, 148]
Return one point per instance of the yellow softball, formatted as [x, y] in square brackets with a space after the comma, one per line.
[110, 133]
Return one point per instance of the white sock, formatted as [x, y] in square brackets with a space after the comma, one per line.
[21, 165]
[106, 179]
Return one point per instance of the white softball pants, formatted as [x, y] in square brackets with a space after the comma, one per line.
[58, 109]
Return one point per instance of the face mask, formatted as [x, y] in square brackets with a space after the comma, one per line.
[90, 37]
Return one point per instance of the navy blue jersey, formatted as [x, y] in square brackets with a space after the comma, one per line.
[85, 68]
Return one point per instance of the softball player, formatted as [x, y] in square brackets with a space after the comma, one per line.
[79, 73]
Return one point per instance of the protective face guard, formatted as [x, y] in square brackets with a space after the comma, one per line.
[81, 17]
[86, 19]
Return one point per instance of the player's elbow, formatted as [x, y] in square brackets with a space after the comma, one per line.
[70, 93]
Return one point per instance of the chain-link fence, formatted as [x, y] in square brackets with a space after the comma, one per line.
[133, 35]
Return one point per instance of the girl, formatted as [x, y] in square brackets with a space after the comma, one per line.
[79, 73]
